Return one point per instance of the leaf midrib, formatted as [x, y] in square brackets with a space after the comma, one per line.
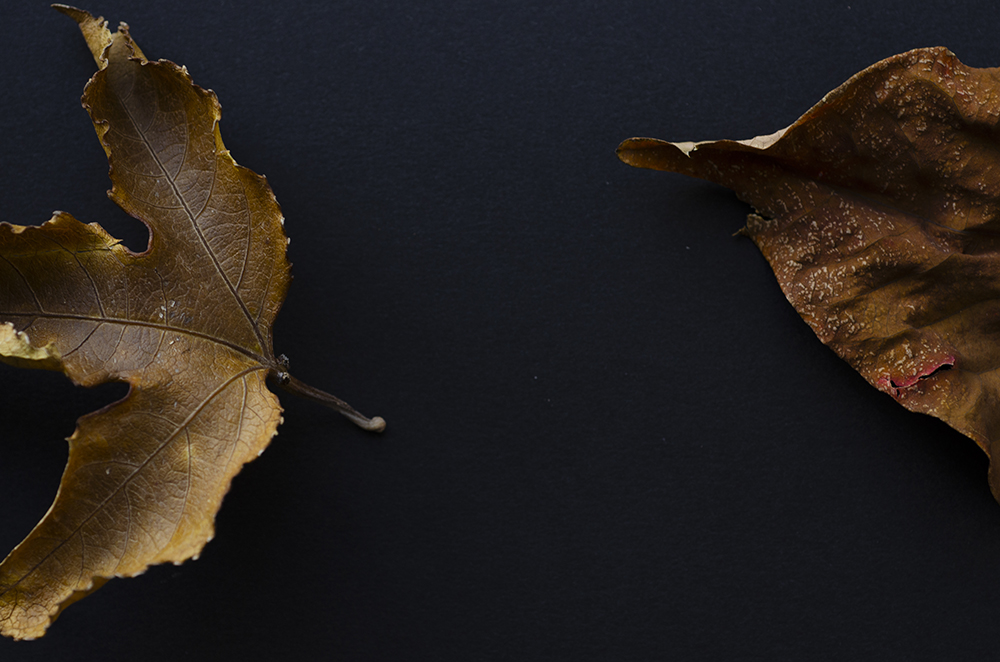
[152, 325]
[187, 209]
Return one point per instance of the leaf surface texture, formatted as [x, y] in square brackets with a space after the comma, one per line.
[187, 324]
[879, 212]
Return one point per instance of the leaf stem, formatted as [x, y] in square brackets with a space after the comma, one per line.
[300, 388]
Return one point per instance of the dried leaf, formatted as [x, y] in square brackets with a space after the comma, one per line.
[187, 324]
[879, 211]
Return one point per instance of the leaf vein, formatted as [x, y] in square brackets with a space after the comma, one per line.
[153, 325]
[194, 223]
[38, 304]
[128, 480]
[84, 341]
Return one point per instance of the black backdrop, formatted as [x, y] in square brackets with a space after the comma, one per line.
[610, 437]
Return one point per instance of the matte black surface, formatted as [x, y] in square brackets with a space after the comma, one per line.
[610, 437]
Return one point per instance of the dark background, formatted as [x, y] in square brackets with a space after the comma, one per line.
[610, 437]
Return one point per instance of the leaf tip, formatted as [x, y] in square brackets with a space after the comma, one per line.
[656, 154]
[17, 350]
[624, 150]
[94, 29]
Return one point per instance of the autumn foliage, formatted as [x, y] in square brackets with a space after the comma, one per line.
[186, 323]
[879, 211]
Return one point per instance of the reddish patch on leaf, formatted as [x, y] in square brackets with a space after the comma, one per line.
[895, 386]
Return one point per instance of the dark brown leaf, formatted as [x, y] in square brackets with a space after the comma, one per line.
[187, 324]
[879, 211]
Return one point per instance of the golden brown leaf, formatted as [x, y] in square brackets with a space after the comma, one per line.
[187, 324]
[879, 211]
